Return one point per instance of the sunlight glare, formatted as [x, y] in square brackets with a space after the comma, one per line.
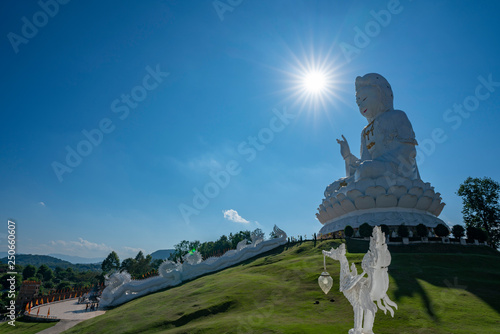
[315, 82]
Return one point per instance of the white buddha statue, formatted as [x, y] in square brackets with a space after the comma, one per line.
[383, 185]
[387, 142]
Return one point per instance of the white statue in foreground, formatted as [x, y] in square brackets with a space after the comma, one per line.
[120, 288]
[362, 291]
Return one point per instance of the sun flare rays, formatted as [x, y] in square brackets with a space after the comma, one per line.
[315, 83]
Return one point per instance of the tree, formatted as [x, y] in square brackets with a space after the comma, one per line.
[480, 206]
[48, 285]
[207, 249]
[258, 233]
[458, 231]
[155, 264]
[482, 235]
[6, 282]
[29, 271]
[63, 285]
[142, 265]
[45, 273]
[222, 245]
[139, 256]
[194, 245]
[403, 231]
[422, 230]
[348, 231]
[441, 230]
[365, 230]
[180, 250]
[112, 262]
[70, 274]
[385, 229]
[128, 265]
[476, 233]
[60, 273]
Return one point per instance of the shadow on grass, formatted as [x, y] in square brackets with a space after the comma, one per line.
[475, 269]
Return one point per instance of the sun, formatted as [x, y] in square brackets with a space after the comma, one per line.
[314, 85]
[315, 82]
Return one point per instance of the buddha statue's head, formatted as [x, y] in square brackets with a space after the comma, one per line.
[373, 95]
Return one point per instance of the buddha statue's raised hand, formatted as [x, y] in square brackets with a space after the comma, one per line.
[345, 151]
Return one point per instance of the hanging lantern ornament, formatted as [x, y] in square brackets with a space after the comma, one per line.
[325, 281]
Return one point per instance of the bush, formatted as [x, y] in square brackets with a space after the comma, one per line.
[403, 231]
[458, 231]
[441, 230]
[348, 231]
[63, 285]
[385, 229]
[422, 230]
[482, 235]
[471, 232]
[365, 230]
[476, 233]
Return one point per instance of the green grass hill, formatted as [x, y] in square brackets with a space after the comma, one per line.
[278, 292]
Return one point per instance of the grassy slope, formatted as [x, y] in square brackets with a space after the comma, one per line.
[436, 293]
[275, 293]
[25, 327]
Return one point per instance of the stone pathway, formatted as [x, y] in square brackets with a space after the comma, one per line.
[70, 313]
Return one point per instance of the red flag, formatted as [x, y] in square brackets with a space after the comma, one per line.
[48, 312]
[38, 311]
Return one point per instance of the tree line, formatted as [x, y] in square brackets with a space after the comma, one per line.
[138, 267]
[144, 266]
[51, 280]
[481, 215]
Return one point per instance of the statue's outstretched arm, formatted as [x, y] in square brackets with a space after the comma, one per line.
[351, 161]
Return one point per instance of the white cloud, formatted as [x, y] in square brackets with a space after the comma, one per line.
[41, 204]
[81, 247]
[233, 216]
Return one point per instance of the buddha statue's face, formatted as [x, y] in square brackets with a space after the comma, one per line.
[369, 101]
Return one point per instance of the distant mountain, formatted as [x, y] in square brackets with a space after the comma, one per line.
[77, 259]
[162, 254]
[52, 262]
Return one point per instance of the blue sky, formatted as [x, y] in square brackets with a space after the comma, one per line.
[207, 77]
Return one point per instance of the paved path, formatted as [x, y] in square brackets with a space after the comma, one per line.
[70, 313]
[60, 327]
